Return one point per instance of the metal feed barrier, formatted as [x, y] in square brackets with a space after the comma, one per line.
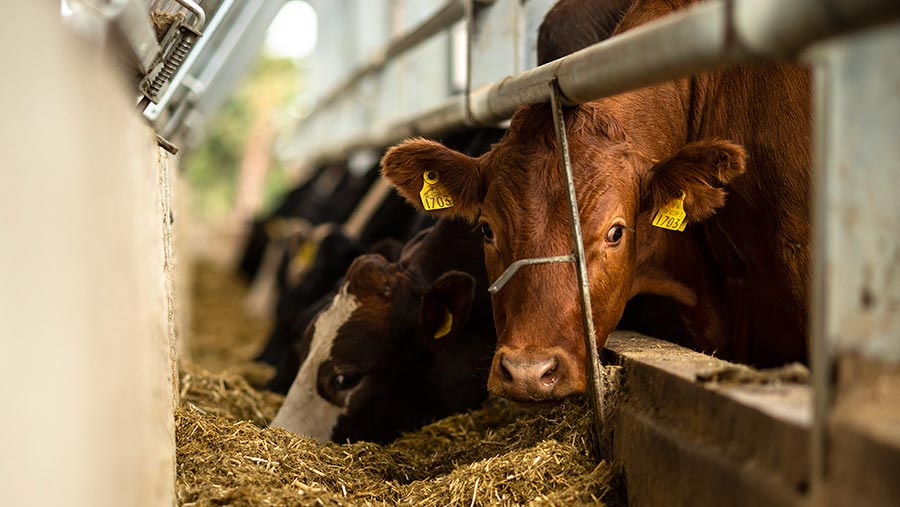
[706, 37]
[855, 351]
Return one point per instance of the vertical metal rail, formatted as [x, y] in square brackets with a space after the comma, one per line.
[594, 368]
[855, 278]
[469, 15]
[595, 372]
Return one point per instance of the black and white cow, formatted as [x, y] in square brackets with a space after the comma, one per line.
[400, 344]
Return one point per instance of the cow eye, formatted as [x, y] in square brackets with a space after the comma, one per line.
[487, 232]
[345, 381]
[615, 234]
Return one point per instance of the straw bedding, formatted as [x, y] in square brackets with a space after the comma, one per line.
[501, 454]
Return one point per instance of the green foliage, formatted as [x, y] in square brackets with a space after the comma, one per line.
[213, 168]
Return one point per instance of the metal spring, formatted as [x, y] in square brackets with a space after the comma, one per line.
[173, 62]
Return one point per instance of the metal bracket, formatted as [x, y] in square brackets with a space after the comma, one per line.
[176, 45]
[511, 270]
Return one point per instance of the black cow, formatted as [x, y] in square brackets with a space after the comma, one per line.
[329, 195]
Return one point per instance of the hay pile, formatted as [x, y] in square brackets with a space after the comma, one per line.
[498, 455]
[223, 337]
[227, 395]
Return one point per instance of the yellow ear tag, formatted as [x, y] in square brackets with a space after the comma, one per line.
[447, 325]
[672, 215]
[434, 195]
[305, 255]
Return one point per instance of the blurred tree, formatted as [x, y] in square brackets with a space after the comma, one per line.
[232, 172]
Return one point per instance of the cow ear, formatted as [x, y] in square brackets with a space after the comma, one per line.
[699, 172]
[445, 308]
[454, 174]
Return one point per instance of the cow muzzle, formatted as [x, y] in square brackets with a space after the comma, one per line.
[533, 375]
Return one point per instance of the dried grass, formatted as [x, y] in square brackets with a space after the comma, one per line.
[162, 21]
[223, 337]
[498, 455]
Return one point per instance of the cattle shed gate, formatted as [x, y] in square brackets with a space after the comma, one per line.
[90, 276]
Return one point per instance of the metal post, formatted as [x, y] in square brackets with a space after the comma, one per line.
[855, 282]
[595, 370]
[470, 30]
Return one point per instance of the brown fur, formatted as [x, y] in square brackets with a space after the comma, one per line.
[736, 142]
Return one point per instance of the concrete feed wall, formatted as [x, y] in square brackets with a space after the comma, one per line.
[85, 370]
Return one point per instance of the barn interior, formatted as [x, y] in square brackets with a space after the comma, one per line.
[188, 183]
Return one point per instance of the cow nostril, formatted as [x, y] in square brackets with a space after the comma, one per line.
[550, 374]
[504, 371]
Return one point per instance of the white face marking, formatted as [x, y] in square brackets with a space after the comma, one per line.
[304, 411]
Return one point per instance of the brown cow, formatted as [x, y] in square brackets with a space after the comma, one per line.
[739, 271]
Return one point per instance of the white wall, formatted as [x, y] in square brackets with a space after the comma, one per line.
[85, 373]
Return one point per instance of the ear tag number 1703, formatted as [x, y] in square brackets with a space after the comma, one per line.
[672, 215]
[434, 195]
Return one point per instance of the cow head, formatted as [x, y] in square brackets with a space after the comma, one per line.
[366, 369]
[516, 195]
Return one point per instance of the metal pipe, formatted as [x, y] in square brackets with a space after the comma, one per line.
[679, 44]
[367, 207]
[774, 28]
[703, 37]
[445, 116]
[450, 13]
[515, 266]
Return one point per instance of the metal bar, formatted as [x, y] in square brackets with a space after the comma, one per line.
[445, 116]
[594, 368]
[223, 59]
[703, 37]
[367, 207]
[515, 266]
[820, 355]
[470, 33]
[855, 277]
[450, 13]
